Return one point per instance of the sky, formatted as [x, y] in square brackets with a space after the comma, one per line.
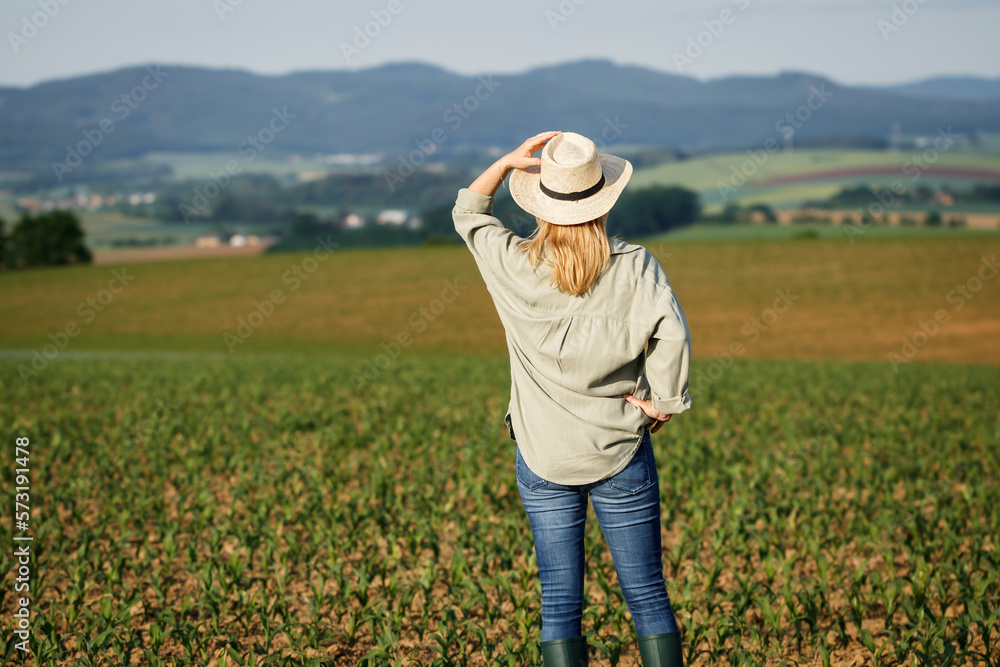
[849, 41]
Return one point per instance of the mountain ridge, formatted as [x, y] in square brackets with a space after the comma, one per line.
[391, 109]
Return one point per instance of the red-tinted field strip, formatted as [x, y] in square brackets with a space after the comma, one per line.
[945, 172]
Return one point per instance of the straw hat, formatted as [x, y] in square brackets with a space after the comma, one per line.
[573, 184]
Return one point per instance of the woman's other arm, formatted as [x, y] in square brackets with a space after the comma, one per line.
[668, 359]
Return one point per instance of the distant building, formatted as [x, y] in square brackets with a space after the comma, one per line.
[391, 216]
[140, 198]
[212, 241]
[944, 198]
[353, 159]
[353, 221]
[243, 240]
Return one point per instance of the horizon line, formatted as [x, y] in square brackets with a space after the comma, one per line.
[523, 71]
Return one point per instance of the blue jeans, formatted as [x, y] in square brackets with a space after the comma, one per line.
[627, 506]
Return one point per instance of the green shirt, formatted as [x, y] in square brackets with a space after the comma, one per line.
[572, 357]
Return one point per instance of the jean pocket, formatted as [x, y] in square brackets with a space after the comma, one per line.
[639, 473]
[525, 477]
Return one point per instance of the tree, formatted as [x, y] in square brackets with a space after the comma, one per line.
[52, 238]
[986, 192]
[653, 210]
[765, 211]
[3, 243]
[245, 209]
[730, 213]
[643, 212]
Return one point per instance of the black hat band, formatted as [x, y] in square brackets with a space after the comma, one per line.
[572, 196]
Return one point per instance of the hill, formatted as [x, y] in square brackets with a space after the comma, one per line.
[952, 87]
[393, 110]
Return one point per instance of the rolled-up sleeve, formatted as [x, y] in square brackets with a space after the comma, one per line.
[486, 236]
[668, 355]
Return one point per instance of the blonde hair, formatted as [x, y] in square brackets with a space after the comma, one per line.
[576, 253]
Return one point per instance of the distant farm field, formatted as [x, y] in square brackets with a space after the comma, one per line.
[805, 231]
[105, 227]
[786, 179]
[843, 300]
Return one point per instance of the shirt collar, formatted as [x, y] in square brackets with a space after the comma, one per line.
[619, 247]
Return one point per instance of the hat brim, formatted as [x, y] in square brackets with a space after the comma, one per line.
[524, 188]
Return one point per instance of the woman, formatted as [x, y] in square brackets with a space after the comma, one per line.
[587, 319]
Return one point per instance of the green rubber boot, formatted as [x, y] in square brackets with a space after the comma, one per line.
[661, 650]
[570, 652]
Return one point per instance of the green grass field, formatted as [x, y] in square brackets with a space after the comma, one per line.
[219, 511]
[318, 497]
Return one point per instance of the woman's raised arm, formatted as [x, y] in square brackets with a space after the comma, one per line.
[519, 158]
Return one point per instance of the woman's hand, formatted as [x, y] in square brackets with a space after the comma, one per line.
[519, 158]
[651, 412]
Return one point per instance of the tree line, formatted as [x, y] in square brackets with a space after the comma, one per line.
[57, 237]
[636, 214]
[46, 239]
